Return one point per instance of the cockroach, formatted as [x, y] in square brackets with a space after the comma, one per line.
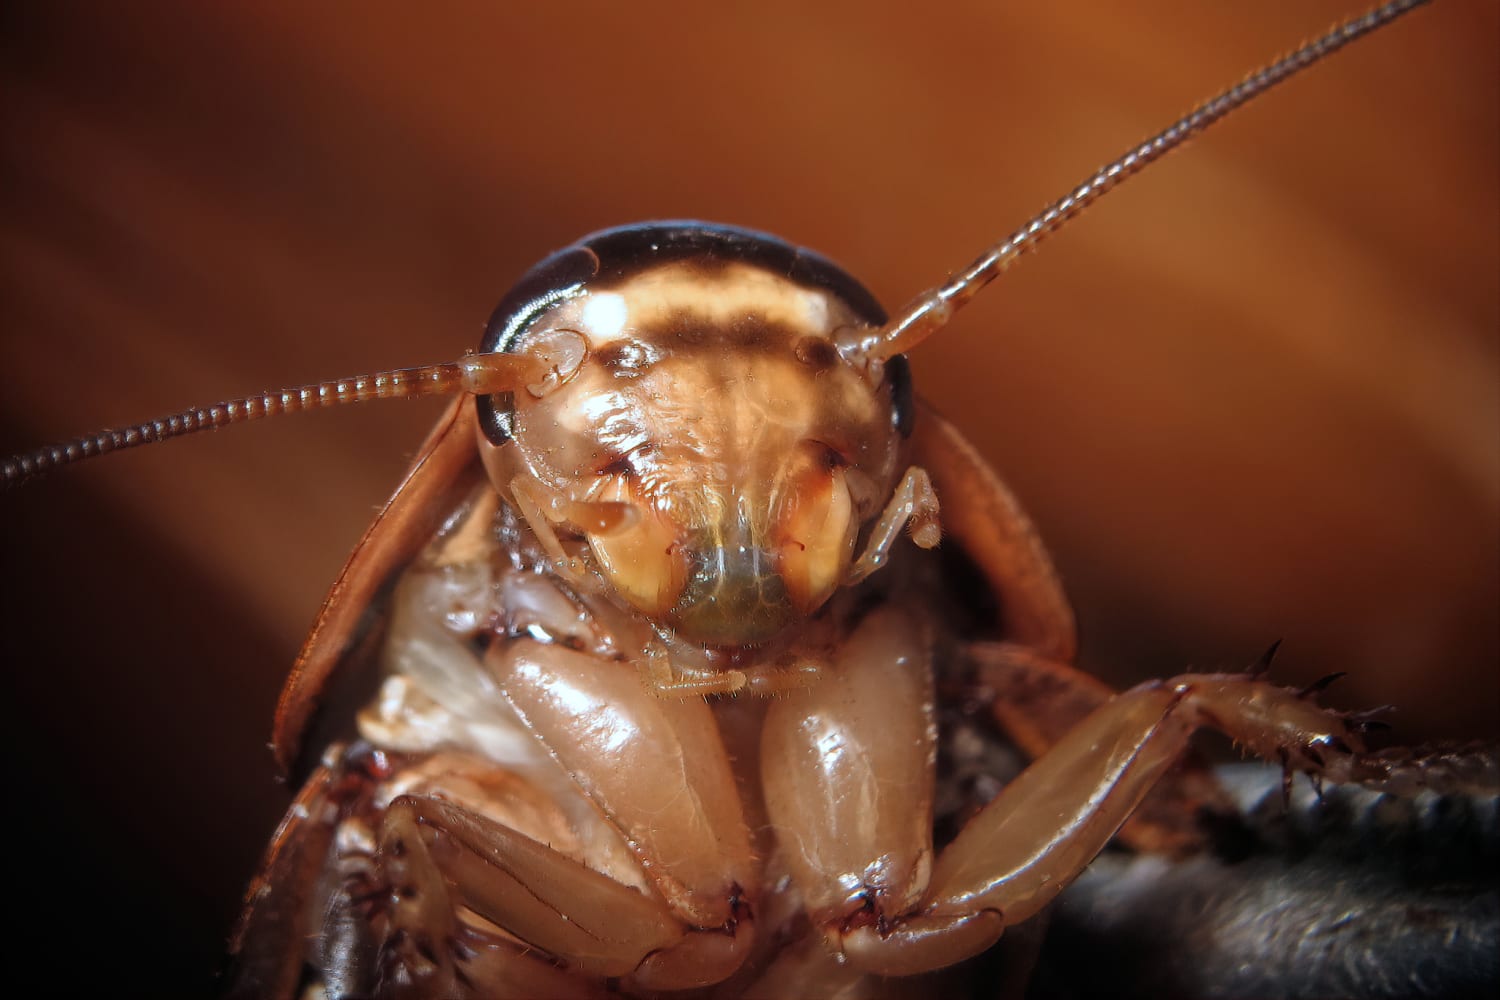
[705, 631]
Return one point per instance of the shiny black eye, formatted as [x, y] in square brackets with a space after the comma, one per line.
[903, 403]
[563, 274]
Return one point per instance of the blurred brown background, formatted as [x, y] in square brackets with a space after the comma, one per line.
[1255, 394]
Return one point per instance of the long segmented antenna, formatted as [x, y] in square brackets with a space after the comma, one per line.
[932, 310]
[488, 373]
[478, 373]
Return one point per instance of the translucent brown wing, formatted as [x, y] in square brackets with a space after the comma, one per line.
[446, 469]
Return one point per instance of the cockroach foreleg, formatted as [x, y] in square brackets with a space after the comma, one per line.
[596, 925]
[1038, 701]
[1045, 827]
[419, 950]
[350, 894]
[657, 769]
[848, 767]
[913, 503]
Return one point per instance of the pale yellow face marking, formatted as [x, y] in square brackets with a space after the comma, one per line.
[733, 292]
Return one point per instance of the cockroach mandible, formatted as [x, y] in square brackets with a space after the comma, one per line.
[608, 513]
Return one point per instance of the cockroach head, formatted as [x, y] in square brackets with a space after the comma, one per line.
[716, 416]
[698, 420]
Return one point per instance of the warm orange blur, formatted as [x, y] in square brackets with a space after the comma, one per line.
[1254, 395]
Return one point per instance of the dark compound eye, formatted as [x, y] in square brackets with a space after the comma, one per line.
[903, 403]
[554, 279]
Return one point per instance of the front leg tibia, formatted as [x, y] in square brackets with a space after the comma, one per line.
[596, 925]
[436, 855]
[1044, 828]
[1038, 700]
[1020, 851]
[422, 948]
[422, 924]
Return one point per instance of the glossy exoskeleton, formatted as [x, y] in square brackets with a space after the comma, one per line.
[635, 686]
